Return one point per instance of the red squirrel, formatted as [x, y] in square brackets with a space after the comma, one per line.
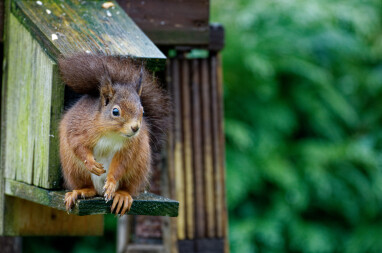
[107, 137]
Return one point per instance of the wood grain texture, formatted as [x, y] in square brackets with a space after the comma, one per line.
[178, 150]
[68, 27]
[25, 218]
[31, 148]
[3, 113]
[187, 147]
[144, 204]
[219, 70]
[200, 227]
[207, 150]
[171, 22]
[215, 124]
[169, 226]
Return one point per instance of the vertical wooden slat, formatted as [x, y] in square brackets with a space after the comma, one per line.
[42, 76]
[187, 148]
[178, 147]
[58, 94]
[19, 124]
[34, 104]
[3, 115]
[216, 148]
[197, 153]
[222, 150]
[207, 149]
[170, 224]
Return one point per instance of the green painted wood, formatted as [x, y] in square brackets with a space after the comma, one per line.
[68, 27]
[33, 105]
[144, 204]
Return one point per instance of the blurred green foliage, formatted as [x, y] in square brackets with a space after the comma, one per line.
[303, 108]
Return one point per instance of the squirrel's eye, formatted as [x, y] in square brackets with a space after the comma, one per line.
[115, 112]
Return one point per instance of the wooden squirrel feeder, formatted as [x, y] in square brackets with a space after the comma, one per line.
[191, 170]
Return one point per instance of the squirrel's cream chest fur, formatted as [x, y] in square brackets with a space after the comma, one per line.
[104, 152]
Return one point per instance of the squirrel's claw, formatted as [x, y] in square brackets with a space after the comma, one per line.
[109, 189]
[95, 168]
[70, 200]
[122, 199]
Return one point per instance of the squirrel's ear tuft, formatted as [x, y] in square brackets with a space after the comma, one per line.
[106, 89]
[139, 82]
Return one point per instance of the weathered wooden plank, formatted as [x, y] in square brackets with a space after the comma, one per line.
[2, 18]
[53, 173]
[197, 152]
[42, 77]
[3, 114]
[144, 204]
[33, 82]
[25, 218]
[68, 27]
[19, 123]
[187, 148]
[178, 147]
[207, 149]
[179, 22]
[216, 147]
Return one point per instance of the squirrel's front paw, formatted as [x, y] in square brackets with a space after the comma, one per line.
[70, 199]
[94, 167]
[122, 202]
[109, 189]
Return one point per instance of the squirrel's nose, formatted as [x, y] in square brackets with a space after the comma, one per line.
[135, 128]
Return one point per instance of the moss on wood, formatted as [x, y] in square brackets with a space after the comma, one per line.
[144, 204]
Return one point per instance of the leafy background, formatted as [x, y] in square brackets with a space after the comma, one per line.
[303, 108]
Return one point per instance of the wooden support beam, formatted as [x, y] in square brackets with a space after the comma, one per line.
[171, 22]
[144, 204]
[26, 218]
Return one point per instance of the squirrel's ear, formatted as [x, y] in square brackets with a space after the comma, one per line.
[106, 89]
[139, 83]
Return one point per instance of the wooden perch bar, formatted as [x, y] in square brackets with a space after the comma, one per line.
[144, 204]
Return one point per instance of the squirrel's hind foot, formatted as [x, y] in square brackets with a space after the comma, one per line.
[122, 199]
[71, 197]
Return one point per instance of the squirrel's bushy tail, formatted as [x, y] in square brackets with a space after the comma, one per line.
[82, 73]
